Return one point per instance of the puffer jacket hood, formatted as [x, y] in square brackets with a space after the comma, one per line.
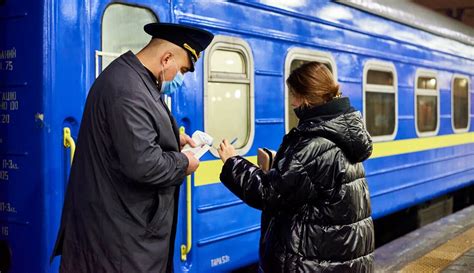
[315, 201]
[340, 123]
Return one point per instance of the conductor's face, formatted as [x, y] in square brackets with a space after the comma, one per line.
[173, 62]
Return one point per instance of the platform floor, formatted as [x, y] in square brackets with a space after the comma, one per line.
[464, 264]
[443, 246]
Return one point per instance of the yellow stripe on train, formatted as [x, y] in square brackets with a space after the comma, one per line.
[412, 145]
[208, 171]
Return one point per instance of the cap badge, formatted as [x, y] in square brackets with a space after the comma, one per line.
[188, 47]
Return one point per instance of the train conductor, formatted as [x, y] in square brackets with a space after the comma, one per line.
[120, 209]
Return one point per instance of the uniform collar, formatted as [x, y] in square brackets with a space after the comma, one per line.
[148, 78]
[151, 75]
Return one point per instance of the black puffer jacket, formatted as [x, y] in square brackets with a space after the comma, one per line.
[315, 200]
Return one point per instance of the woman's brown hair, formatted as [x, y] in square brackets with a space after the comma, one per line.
[314, 83]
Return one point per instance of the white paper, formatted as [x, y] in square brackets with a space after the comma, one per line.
[203, 142]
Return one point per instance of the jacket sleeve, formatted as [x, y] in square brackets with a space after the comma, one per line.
[134, 138]
[276, 189]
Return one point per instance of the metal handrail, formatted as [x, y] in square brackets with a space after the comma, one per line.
[186, 248]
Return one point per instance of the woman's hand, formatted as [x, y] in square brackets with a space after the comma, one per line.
[226, 150]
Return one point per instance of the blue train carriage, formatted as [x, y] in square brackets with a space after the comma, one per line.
[414, 87]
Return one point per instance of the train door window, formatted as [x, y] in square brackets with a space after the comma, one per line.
[229, 92]
[460, 104]
[380, 100]
[426, 103]
[122, 30]
[294, 59]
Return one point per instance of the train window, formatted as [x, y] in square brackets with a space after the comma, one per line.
[295, 58]
[460, 104]
[122, 30]
[380, 77]
[380, 100]
[426, 103]
[226, 61]
[228, 92]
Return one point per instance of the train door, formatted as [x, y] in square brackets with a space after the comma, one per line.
[225, 230]
[119, 29]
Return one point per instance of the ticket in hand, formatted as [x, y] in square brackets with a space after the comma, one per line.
[203, 142]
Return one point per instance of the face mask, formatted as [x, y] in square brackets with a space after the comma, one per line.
[169, 87]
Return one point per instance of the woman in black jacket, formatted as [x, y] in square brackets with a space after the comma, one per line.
[315, 200]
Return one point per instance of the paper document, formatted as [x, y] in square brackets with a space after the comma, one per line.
[203, 142]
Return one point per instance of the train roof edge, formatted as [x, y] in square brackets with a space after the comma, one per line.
[414, 15]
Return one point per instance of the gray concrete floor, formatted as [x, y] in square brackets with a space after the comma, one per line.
[464, 264]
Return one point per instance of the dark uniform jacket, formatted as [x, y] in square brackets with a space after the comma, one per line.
[315, 200]
[120, 207]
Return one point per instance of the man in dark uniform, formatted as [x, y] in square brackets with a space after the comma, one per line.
[120, 210]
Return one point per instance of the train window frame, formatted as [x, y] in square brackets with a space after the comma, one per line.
[420, 91]
[305, 54]
[383, 67]
[466, 129]
[231, 43]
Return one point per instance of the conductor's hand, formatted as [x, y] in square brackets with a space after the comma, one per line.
[226, 150]
[185, 139]
[193, 163]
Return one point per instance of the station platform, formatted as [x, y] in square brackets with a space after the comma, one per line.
[446, 245]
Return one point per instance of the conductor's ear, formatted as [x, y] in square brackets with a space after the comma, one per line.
[166, 58]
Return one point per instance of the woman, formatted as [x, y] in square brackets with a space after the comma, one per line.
[315, 200]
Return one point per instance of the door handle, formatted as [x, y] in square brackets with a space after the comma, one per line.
[68, 141]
